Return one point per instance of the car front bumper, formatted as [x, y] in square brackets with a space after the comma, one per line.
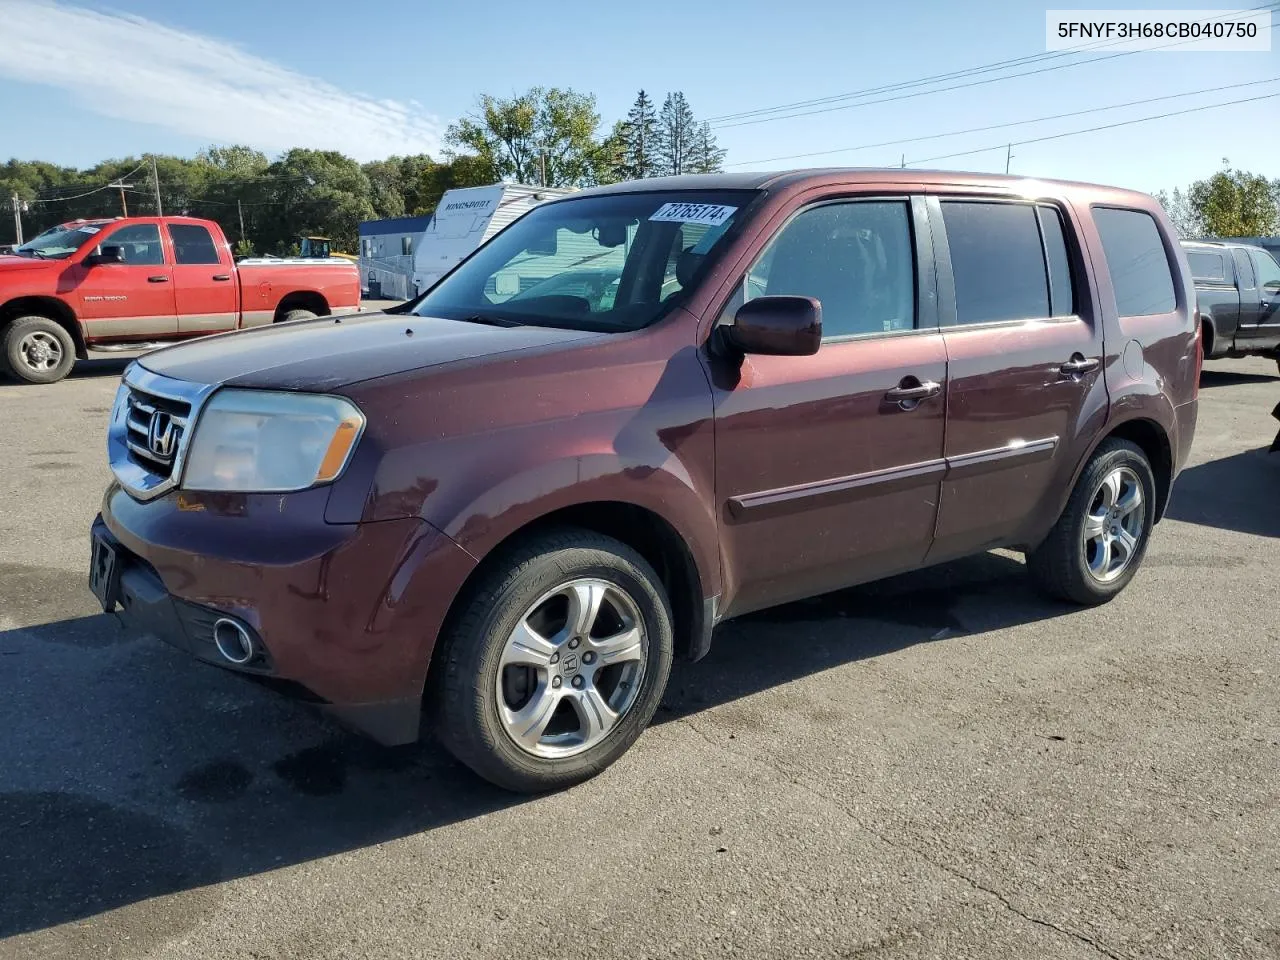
[344, 614]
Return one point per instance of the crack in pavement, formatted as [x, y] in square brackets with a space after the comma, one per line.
[938, 865]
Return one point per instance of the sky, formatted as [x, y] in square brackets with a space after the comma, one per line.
[81, 82]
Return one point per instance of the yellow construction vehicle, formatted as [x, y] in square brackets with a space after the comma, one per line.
[319, 248]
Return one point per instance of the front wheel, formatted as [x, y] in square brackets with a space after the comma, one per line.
[36, 349]
[556, 664]
[1098, 543]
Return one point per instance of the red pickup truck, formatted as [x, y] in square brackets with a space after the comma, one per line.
[137, 282]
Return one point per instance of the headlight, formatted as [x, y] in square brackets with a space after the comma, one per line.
[259, 441]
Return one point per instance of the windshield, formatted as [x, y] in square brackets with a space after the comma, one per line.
[611, 263]
[58, 243]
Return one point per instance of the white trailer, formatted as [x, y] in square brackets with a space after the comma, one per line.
[466, 218]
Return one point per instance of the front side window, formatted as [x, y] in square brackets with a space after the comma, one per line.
[192, 244]
[1136, 259]
[998, 261]
[855, 258]
[140, 242]
[1268, 272]
[612, 263]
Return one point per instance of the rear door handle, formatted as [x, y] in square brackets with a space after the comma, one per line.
[1078, 365]
[157, 279]
[911, 391]
[222, 276]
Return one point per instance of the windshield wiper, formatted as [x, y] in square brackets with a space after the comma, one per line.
[491, 320]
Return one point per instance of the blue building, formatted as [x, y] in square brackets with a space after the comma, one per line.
[386, 256]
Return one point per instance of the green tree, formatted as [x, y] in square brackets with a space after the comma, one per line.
[676, 135]
[430, 184]
[1234, 203]
[639, 133]
[1178, 206]
[314, 192]
[544, 136]
[707, 156]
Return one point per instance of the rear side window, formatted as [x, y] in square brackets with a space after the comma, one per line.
[1244, 270]
[1206, 266]
[998, 261]
[1137, 262]
[192, 244]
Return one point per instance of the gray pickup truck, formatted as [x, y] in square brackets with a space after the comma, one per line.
[1238, 295]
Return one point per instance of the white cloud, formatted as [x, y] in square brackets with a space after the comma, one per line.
[131, 68]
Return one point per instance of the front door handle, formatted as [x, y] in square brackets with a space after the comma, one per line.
[222, 276]
[911, 391]
[1078, 364]
[157, 279]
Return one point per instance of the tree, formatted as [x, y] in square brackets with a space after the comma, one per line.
[544, 136]
[676, 135]
[464, 170]
[1178, 206]
[1234, 203]
[707, 156]
[639, 144]
[314, 192]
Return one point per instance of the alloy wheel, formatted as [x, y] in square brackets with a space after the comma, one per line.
[571, 669]
[1114, 525]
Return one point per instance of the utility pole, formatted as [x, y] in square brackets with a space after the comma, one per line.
[18, 206]
[155, 179]
[904, 161]
[120, 185]
[1008, 155]
[542, 164]
[240, 210]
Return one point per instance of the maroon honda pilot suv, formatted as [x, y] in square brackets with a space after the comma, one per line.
[639, 411]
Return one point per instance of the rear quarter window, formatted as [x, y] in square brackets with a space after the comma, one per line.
[1207, 266]
[1136, 259]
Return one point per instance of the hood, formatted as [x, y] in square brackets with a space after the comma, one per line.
[10, 264]
[330, 352]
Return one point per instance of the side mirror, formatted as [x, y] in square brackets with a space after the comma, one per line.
[110, 253]
[777, 326]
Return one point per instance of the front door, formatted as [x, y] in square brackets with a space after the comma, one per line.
[204, 281]
[1026, 387]
[828, 466]
[132, 300]
[1267, 295]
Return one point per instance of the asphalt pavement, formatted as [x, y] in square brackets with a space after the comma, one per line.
[939, 765]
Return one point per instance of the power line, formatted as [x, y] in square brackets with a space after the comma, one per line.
[115, 184]
[1002, 126]
[780, 112]
[1105, 126]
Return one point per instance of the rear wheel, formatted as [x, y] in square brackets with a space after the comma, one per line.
[1098, 543]
[291, 315]
[556, 664]
[36, 349]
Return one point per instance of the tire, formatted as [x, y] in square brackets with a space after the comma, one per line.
[1069, 565]
[36, 349]
[478, 698]
[292, 315]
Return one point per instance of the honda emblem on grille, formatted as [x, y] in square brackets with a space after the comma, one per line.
[162, 435]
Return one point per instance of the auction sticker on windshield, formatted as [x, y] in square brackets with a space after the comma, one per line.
[712, 214]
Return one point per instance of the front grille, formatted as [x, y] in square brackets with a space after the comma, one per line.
[151, 426]
[155, 428]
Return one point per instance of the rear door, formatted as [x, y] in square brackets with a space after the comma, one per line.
[1250, 313]
[203, 280]
[133, 299]
[827, 473]
[1267, 271]
[1025, 390]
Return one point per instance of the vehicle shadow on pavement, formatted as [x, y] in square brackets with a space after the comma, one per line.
[146, 774]
[986, 592]
[1233, 493]
[1232, 378]
[100, 366]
